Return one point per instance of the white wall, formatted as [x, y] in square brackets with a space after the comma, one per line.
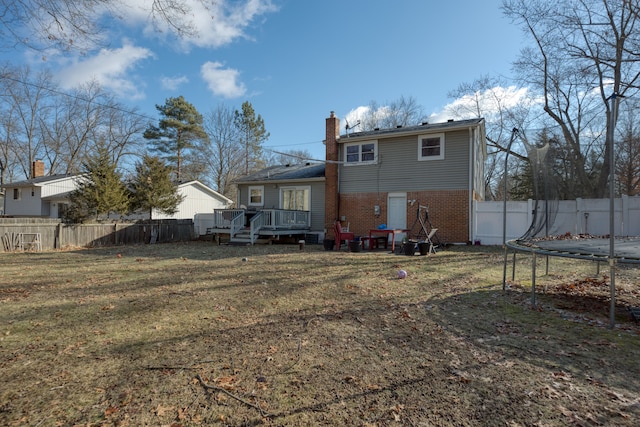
[588, 216]
[27, 205]
[196, 201]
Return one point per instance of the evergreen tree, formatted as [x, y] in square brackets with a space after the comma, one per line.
[100, 191]
[178, 131]
[152, 187]
[252, 135]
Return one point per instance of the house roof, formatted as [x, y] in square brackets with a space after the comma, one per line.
[206, 189]
[305, 171]
[37, 182]
[424, 127]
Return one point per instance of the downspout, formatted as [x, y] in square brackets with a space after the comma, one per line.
[472, 173]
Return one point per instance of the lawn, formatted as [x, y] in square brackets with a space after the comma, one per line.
[199, 334]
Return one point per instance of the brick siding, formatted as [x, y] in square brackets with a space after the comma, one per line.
[448, 212]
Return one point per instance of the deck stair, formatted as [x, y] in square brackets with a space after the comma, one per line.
[242, 237]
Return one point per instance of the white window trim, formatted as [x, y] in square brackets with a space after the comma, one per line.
[360, 162]
[431, 135]
[295, 187]
[255, 187]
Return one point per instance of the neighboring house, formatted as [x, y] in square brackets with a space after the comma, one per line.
[48, 196]
[198, 198]
[383, 176]
[41, 196]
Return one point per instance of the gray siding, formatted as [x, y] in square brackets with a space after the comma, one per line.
[398, 167]
[272, 198]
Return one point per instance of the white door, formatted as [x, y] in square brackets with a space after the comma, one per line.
[397, 213]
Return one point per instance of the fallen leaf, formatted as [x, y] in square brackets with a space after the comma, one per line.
[161, 411]
[110, 411]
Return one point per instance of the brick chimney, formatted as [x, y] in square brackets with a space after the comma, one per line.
[37, 169]
[332, 197]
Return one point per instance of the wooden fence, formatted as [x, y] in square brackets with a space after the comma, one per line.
[54, 234]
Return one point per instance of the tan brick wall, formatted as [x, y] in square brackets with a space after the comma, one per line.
[448, 212]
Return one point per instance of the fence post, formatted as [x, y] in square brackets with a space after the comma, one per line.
[57, 239]
[582, 217]
[625, 215]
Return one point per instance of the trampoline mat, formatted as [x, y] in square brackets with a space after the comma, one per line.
[624, 248]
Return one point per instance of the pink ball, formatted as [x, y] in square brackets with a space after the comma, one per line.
[402, 274]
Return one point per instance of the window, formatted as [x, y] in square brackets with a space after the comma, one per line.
[359, 153]
[431, 147]
[295, 198]
[16, 194]
[256, 196]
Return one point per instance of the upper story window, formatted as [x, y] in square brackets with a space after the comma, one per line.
[361, 152]
[16, 194]
[256, 196]
[431, 147]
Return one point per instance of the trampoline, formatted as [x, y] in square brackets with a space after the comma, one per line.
[539, 238]
[626, 249]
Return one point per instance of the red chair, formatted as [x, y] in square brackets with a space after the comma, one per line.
[342, 235]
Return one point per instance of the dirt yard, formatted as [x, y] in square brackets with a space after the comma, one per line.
[198, 334]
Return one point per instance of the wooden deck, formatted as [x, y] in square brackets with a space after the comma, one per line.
[261, 226]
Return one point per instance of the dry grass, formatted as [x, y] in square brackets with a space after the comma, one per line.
[182, 335]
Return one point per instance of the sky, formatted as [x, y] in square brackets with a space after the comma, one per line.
[295, 61]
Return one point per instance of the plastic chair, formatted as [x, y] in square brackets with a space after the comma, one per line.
[342, 235]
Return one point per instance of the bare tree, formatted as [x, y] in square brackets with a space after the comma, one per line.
[223, 154]
[39, 122]
[400, 112]
[492, 99]
[628, 151]
[289, 157]
[27, 102]
[584, 52]
[80, 25]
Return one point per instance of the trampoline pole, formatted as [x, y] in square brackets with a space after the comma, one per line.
[613, 117]
[514, 132]
[533, 280]
[513, 269]
[546, 272]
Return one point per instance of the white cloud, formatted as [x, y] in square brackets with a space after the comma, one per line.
[111, 68]
[216, 23]
[488, 103]
[222, 81]
[356, 114]
[173, 83]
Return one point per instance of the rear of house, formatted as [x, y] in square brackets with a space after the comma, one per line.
[288, 187]
[384, 176]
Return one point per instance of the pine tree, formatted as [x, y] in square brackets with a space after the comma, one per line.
[178, 131]
[152, 187]
[100, 191]
[252, 135]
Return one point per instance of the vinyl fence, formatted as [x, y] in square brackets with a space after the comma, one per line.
[20, 233]
[580, 216]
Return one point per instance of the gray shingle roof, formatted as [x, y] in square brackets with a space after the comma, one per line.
[36, 181]
[428, 127]
[285, 172]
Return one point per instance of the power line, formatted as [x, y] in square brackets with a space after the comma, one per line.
[77, 97]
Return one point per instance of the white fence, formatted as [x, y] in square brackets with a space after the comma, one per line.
[589, 216]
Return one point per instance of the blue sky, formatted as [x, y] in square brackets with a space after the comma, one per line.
[297, 60]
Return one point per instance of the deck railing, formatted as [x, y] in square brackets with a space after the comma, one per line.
[237, 224]
[278, 219]
[223, 218]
